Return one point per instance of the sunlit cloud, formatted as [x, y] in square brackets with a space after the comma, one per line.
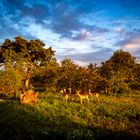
[133, 45]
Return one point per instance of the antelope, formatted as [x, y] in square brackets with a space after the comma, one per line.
[69, 90]
[82, 96]
[65, 95]
[28, 97]
[93, 94]
[71, 94]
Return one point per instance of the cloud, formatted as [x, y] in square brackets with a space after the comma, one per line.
[133, 45]
[67, 46]
[37, 12]
[86, 31]
[127, 36]
[83, 35]
[119, 29]
[89, 57]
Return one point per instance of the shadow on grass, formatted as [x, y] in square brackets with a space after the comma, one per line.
[26, 123]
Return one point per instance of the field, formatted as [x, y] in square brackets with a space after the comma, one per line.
[110, 118]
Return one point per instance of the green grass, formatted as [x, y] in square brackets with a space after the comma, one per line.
[51, 118]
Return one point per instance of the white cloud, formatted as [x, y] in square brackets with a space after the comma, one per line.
[118, 29]
[75, 46]
[81, 63]
[37, 30]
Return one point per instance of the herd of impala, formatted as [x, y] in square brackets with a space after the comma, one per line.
[30, 96]
[82, 95]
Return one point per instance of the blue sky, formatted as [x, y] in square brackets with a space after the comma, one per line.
[87, 31]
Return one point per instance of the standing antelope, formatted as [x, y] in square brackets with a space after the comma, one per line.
[82, 96]
[65, 95]
[93, 94]
[69, 90]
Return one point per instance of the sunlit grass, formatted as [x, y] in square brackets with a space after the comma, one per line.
[109, 117]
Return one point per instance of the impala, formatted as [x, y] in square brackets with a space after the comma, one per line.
[82, 96]
[69, 90]
[65, 95]
[93, 94]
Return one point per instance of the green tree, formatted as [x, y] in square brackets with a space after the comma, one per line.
[118, 70]
[30, 54]
[66, 74]
[31, 51]
[122, 60]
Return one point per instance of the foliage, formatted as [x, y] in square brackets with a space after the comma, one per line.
[118, 85]
[119, 70]
[40, 69]
[135, 85]
[29, 55]
[11, 80]
[46, 76]
[66, 74]
[136, 72]
[122, 60]
[32, 51]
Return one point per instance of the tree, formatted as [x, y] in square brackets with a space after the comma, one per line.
[30, 54]
[122, 60]
[106, 69]
[66, 74]
[136, 72]
[118, 70]
[32, 51]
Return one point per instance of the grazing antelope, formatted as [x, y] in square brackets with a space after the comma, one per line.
[82, 96]
[28, 97]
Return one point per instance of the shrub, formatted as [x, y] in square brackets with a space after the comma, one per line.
[10, 81]
[135, 85]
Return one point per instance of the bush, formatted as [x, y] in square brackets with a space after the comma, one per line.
[10, 82]
[119, 86]
[135, 85]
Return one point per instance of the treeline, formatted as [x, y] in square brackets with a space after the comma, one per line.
[30, 64]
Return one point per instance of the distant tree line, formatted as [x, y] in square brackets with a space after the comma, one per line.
[29, 64]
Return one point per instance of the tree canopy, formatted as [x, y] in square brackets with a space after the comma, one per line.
[31, 51]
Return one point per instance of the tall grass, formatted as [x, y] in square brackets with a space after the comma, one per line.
[51, 118]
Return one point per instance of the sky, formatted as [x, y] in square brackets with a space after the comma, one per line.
[86, 31]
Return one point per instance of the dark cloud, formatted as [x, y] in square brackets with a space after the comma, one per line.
[35, 11]
[63, 15]
[65, 23]
[12, 6]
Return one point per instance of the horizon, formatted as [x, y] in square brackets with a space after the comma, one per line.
[86, 32]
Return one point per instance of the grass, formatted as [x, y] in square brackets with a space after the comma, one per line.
[51, 118]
